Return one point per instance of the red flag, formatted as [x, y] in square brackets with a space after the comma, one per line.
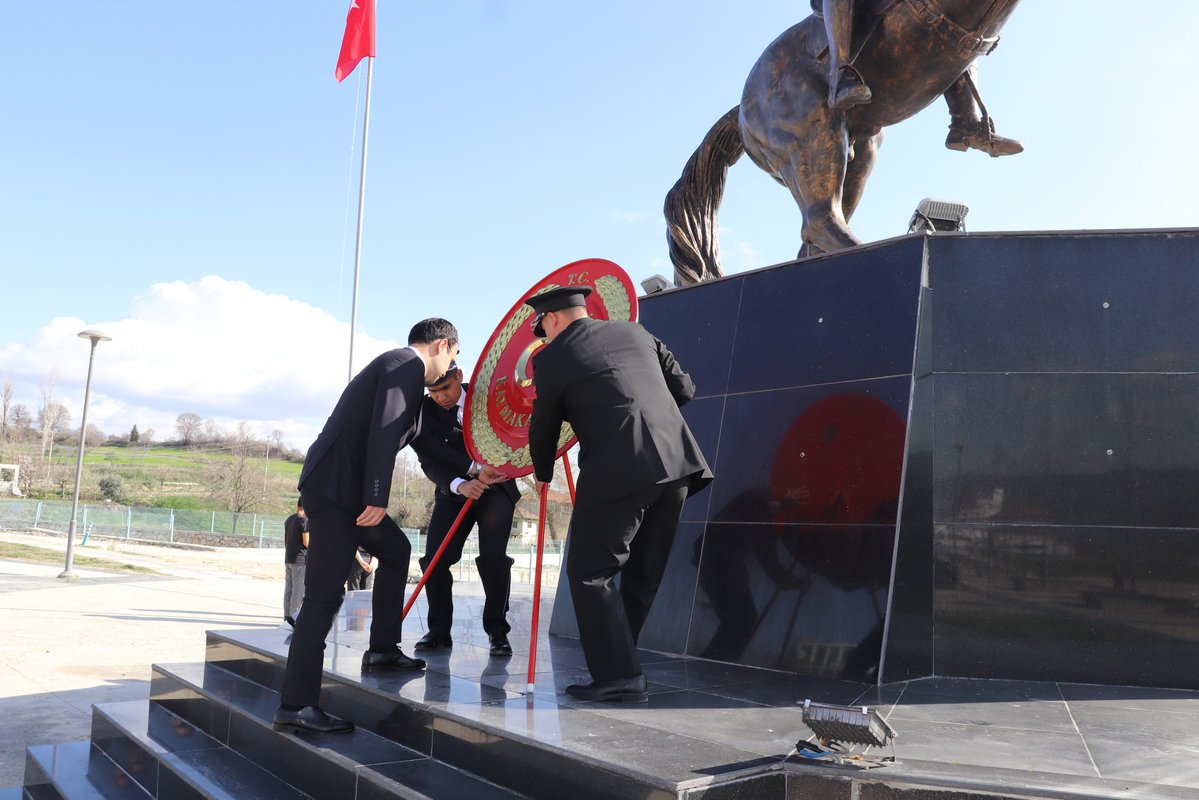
[359, 41]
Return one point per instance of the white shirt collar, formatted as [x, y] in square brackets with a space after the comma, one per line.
[419, 355]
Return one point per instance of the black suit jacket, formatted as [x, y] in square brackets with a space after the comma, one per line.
[441, 448]
[620, 389]
[351, 462]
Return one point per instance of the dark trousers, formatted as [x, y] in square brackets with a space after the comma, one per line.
[631, 537]
[493, 513]
[335, 536]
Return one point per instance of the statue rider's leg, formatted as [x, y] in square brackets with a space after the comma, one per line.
[968, 125]
[845, 85]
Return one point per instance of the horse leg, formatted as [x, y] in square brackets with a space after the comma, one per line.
[816, 180]
[865, 152]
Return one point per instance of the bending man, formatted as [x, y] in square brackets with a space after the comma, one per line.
[344, 488]
[620, 389]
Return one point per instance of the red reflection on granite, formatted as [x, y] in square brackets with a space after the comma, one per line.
[839, 463]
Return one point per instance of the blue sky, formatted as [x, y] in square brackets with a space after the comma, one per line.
[183, 174]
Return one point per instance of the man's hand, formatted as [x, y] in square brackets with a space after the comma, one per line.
[540, 486]
[371, 517]
[489, 475]
[472, 489]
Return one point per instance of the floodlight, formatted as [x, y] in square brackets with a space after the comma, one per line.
[655, 284]
[933, 216]
[847, 724]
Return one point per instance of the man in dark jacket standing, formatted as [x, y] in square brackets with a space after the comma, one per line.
[295, 554]
[344, 487]
[620, 389]
[443, 458]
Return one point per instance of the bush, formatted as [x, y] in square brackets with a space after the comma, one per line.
[112, 488]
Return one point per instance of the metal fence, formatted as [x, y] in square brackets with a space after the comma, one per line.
[225, 529]
[142, 523]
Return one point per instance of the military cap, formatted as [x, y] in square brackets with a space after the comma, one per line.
[556, 300]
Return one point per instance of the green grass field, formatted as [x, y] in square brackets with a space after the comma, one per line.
[40, 555]
[162, 476]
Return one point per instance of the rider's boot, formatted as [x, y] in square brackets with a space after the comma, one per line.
[967, 133]
[848, 89]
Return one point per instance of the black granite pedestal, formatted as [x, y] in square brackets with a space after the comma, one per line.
[958, 455]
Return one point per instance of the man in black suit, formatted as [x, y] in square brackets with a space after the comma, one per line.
[344, 488]
[444, 460]
[620, 389]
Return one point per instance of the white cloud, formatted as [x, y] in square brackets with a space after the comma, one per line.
[215, 347]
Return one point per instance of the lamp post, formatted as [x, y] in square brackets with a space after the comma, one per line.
[96, 337]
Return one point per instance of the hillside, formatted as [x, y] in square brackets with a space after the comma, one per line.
[161, 475]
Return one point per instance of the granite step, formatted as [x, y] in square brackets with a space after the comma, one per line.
[76, 771]
[171, 758]
[524, 744]
[362, 765]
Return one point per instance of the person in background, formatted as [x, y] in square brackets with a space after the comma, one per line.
[295, 553]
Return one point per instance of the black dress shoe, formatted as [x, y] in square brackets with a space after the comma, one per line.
[395, 660]
[431, 641]
[310, 719]
[499, 645]
[621, 690]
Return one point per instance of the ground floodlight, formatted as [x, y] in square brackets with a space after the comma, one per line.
[933, 216]
[848, 724]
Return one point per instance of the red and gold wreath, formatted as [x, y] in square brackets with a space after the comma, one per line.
[499, 404]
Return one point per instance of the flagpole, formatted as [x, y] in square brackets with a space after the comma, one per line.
[366, 127]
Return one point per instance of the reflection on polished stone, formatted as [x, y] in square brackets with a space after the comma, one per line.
[1050, 519]
[1105, 599]
[763, 592]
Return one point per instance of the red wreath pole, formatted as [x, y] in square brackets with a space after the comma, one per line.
[570, 478]
[437, 557]
[545, 489]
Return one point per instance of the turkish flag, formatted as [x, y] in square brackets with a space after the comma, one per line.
[359, 41]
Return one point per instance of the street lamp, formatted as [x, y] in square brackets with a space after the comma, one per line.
[96, 337]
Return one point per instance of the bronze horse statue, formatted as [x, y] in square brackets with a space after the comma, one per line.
[909, 52]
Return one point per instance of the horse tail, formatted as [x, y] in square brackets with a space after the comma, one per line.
[691, 204]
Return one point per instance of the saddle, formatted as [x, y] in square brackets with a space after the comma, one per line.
[969, 44]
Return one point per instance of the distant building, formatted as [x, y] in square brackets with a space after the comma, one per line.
[524, 519]
[10, 479]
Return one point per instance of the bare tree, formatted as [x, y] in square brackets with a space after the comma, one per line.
[20, 421]
[46, 388]
[235, 482]
[5, 402]
[55, 419]
[188, 425]
[213, 432]
[93, 436]
[412, 494]
[147, 437]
